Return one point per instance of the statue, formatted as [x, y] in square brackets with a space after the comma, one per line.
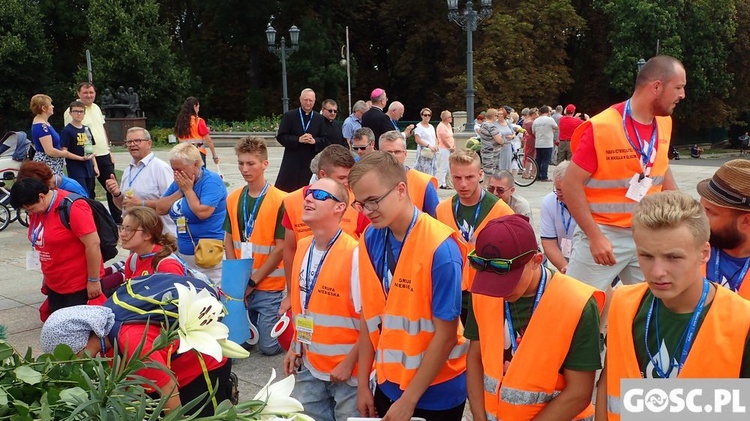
[122, 96]
[108, 99]
[133, 101]
[123, 104]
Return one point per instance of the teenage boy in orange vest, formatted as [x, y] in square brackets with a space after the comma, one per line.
[550, 336]
[324, 353]
[703, 331]
[410, 268]
[468, 211]
[254, 231]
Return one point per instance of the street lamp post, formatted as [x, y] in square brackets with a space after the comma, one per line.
[468, 21]
[640, 64]
[282, 51]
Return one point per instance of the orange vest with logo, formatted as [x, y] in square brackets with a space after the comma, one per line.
[335, 322]
[262, 236]
[401, 326]
[294, 203]
[194, 137]
[744, 289]
[716, 353]
[616, 163]
[444, 214]
[533, 378]
[416, 184]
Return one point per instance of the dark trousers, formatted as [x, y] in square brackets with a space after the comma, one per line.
[57, 301]
[106, 169]
[543, 156]
[219, 381]
[383, 403]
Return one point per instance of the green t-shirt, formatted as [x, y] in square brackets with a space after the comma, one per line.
[466, 213]
[585, 350]
[279, 233]
[671, 328]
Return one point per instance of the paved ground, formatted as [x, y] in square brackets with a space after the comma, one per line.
[19, 289]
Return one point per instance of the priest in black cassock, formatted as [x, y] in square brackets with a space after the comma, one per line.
[302, 134]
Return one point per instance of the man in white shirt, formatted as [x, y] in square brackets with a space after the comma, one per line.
[544, 129]
[557, 224]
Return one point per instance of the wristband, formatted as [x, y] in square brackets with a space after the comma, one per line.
[118, 194]
[251, 283]
[93, 279]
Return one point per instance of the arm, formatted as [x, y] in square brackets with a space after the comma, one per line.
[601, 395]
[554, 254]
[274, 258]
[49, 150]
[200, 210]
[170, 389]
[113, 189]
[420, 142]
[572, 400]
[343, 371]
[365, 401]
[284, 136]
[163, 204]
[475, 381]
[207, 140]
[229, 247]
[669, 182]
[290, 247]
[93, 263]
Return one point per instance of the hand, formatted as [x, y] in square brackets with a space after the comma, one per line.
[96, 172]
[93, 289]
[434, 149]
[401, 410]
[111, 185]
[184, 182]
[88, 157]
[249, 290]
[131, 201]
[216, 159]
[342, 372]
[601, 251]
[365, 402]
[306, 138]
[564, 269]
[291, 362]
[409, 130]
[286, 304]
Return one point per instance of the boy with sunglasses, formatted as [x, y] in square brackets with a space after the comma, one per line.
[549, 341]
[324, 352]
[253, 230]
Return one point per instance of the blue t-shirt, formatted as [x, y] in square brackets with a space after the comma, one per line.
[40, 130]
[211, 192]
[447, 266]
[431, 200]
[68, 184]
[730, 269]
[74, 139]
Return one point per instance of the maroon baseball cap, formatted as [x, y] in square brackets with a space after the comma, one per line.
[570, 109]
[504, 238]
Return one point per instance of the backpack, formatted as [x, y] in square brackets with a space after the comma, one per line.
[188, 271]
[105, 225]
[150, 299]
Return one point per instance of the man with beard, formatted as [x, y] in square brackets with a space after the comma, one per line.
[726, 198]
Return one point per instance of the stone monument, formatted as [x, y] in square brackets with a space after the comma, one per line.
[122, 111]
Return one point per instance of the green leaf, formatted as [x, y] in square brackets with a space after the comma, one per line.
[73, 396]
[28, 375]
[46, 412]
[5, 350]
[3, 397]
[63, 352]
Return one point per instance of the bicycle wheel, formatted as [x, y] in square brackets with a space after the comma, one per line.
[22, 217]
[529, 173]
[4, 217]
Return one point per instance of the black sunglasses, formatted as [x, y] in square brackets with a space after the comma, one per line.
[361, 148]
[332, 111]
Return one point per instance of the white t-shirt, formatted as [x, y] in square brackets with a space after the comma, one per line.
[149, 179]
[551, 225]
[544, 130]
[427, 134]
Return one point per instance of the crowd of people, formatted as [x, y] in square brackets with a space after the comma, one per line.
[404, 305]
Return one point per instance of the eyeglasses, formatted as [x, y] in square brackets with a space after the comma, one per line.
[399, 152]
[361, 148]
[331, 111]
[321, 195]
[135, 141]
[128, 230]
[426, 115]
[77, 111]
[497, 265]
[371, 205]
[557, 192]
[499, 190]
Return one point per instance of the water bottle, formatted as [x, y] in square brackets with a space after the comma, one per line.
[88, 145]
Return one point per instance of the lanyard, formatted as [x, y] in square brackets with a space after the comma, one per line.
[310, 283]
[302, 120]
[38, 228]
[689, 334]
[393, 123]
[734, 283]
[131, 177]
[647, 156]
[389, 266]
[566, 225]
[537, 298]
[468, 233]
[250, 219]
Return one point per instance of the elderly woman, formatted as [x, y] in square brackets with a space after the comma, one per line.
[70, 259]
[427, 147]
[43, 173]
[446, 145]
[192, 129]
[45, 138]
[197, 202]
[492, 142]
[508, 133]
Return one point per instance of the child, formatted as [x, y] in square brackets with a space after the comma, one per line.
[77, 139]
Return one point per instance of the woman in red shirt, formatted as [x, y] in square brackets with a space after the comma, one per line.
[152, 251]
[191, 128]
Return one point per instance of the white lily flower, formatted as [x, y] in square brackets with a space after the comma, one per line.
[199, 326]
[231, 349]
[278, 401]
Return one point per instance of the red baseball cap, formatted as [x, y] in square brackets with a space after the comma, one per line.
[504, 238]
[570, 109]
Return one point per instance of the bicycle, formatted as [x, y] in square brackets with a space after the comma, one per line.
[530, 170]
[19, 215]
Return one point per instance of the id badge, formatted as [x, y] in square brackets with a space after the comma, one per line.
[566, 246]
[181, 225]
[246, 249]
[305, 326]
[638, 188]
[32, 261]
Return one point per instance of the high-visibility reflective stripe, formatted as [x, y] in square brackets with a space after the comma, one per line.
[613, 207]
[373, 324]
[330, 350]
[490, 417]
[590, 418]
[237, 244]
[491, 384]
[410, 327]
[326, 320]
[257, 249]
[620, 183]
[276, 273]
[613, 404]
[459, 350]
[523, 397]
[412, 362]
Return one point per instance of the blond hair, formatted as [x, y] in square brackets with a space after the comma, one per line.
[186, 152]
[464, 157]
[492, 112]
[670, 210]
[390, 171]
[38, 102]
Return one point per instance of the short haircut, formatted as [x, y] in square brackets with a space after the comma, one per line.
[444, 114]
[670, 210]
[423, 110]
[559, 109]
[315, 164]
[340, 191]
[364, 132]
[395, 105]
[186, 152]
[252, 145]
[464, 157]
[25, 192]
[389, 169]
[359, 106]
[560, 170]
[304, 91]
[86, 85]
[544, 109]
[491, 112]
[77, 104]
[503, 175]
[335, 156]
[391, 136]
[328, 102]
[38, 102]
[36, 170]
[525, 112]
[657, 68]
[146, 134]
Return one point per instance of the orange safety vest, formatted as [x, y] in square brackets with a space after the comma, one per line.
[444, 214]
[743, 291]
[194, 137]
[616, 163]
[262, 236]
[533, 378]
[401, 325]
[335, 322]
[416, 185]
[716, 353]
[294, 203]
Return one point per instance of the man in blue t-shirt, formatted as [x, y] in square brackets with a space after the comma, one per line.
[77, 139]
